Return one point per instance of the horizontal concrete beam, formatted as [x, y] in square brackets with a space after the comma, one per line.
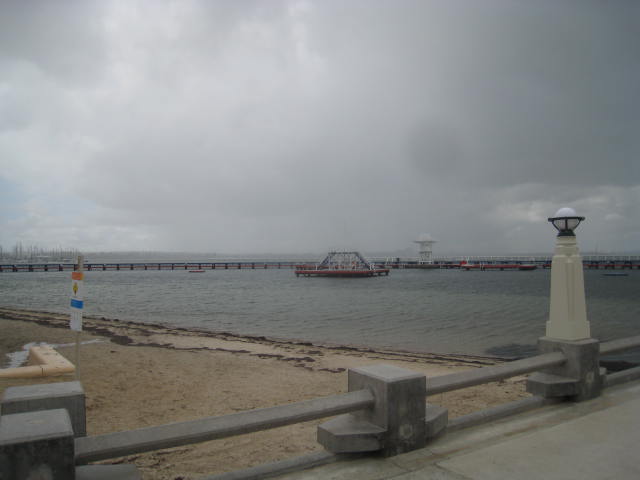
[622, 377]
[108, 472]
[101, 447]
[470, 378]
[498, 412]
[619, 345]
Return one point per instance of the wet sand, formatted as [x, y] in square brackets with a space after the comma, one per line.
[137, 375]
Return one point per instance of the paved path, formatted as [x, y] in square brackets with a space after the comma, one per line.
[598, 439]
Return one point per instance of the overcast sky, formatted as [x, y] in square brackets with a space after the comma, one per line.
[299, 126]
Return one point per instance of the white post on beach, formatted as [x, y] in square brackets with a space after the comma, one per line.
[77, 304]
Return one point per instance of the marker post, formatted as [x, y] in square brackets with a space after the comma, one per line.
[77, 305]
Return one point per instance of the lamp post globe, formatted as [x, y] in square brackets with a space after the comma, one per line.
[566, 221]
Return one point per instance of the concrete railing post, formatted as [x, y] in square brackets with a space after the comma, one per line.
[37, 445]
[400, 420]
[579, 378]
[48, 396]
[37, 429]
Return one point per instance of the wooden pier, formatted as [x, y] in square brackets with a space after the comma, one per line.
[604, 262]
[622, 262]
[189, 266]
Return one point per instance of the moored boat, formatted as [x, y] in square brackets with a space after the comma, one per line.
[341, 264]
[464, 265]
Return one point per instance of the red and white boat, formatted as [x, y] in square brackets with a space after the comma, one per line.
[341, 264]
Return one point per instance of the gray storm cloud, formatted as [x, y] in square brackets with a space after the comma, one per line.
[298, 126]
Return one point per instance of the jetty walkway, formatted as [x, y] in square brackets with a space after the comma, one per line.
[604, 262]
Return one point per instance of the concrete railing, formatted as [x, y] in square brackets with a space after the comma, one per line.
[101, 447]
[470, 378]
[465, 379]
[384, 410]
[620, 345]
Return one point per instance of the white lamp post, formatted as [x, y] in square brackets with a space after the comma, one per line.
[567, 309]
[580, 376]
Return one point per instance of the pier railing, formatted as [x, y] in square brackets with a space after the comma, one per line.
[383, 398]
[128, 266]
[615, 262]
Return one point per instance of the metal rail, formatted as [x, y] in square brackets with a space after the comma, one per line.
[101, 447]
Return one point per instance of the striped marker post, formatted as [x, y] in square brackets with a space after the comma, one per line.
[77, 305]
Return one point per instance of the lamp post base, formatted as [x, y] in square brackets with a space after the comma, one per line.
[579, 378]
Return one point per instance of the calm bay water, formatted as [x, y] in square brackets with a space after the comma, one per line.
[443, 311]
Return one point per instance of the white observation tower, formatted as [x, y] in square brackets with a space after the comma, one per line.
[426, 244]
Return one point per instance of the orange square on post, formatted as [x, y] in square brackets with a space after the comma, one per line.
[77, 275]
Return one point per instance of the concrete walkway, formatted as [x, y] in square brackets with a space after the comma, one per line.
[597, 439]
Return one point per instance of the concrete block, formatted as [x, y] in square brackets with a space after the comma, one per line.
[399, 410]
[48, 396]
[108, 472]
[548, 385]
[436, 419]
[582, 375]
[399, 406]
[37, 445]
[347, 434]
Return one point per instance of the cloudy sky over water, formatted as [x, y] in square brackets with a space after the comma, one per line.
[298, 126]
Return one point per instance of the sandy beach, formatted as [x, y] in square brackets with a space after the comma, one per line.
[137, 375]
